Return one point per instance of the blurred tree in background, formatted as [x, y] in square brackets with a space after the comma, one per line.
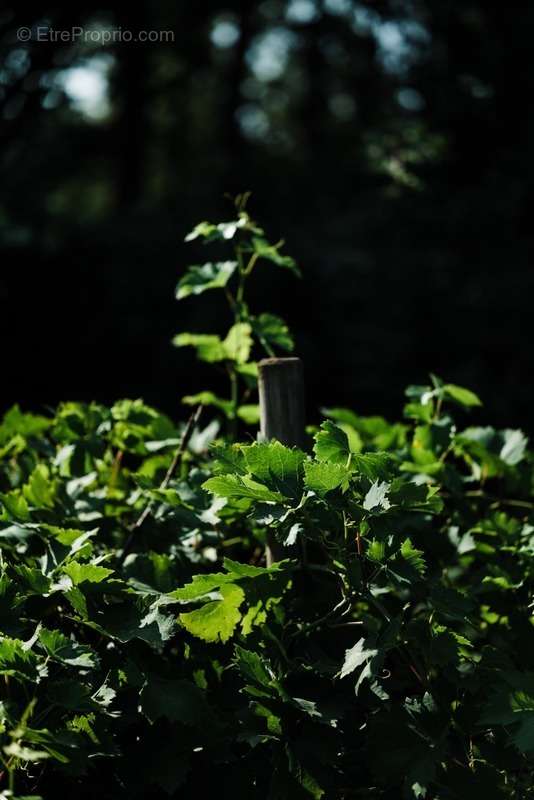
[388, 142]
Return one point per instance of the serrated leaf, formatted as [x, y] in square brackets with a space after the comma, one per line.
[357, 656]
[377, 496]
[216, 620]
[200, 278]
[272, 330]
[278, 467]
[228, 458]
[332, 444]
[376, 550]
[413, 556]
[60, 648]
[375, 466]
[136, 620]
[321, 477]
[17, 659]
[202, 585]
[93, 573]
[241, 486]
[263, 249]
[254, 668]
[35, 581]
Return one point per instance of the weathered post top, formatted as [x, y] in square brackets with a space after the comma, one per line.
[281, 391]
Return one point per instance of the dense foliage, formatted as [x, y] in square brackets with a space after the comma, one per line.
[146, 651]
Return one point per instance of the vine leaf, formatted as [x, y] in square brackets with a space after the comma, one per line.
[273, 330]
[331, 444]
[200, 278]
[357, 656]
[377, 497]
[216, 620]
[322, 478]
[280, 468]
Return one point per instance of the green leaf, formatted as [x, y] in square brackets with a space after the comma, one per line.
[67, 651]
[15, 505]
[270, 252]
[413, 556]
[78, 573]
[202, 585]
[463, 397]
[18, 659]
[377, 496]
[199, 279]
[321, 477]
[357, 656]
[76, 540]
[127, 621]
[39, 490]
[272, 330]
[514, 447]
[209, 399]
[239, 570]
[249, 413]
[375, 466]
[221, 231]
[241, 486]
[209, 347]
[15, 422]
[238, 342]
[280, 468]
[34, 579]
[332, 444]
[217, 620]
[235, 347]
[376, 550]
[228, 458]
[254, 668]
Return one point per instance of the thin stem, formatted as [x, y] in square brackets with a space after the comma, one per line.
[250, 266]
[184, 441]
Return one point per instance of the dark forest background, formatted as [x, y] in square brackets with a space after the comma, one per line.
[390, 143]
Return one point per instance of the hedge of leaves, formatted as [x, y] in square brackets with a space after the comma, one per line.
[146, 651]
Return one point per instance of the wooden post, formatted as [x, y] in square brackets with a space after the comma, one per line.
[282, 415]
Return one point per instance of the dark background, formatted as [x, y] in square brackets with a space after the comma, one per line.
[390, 143]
